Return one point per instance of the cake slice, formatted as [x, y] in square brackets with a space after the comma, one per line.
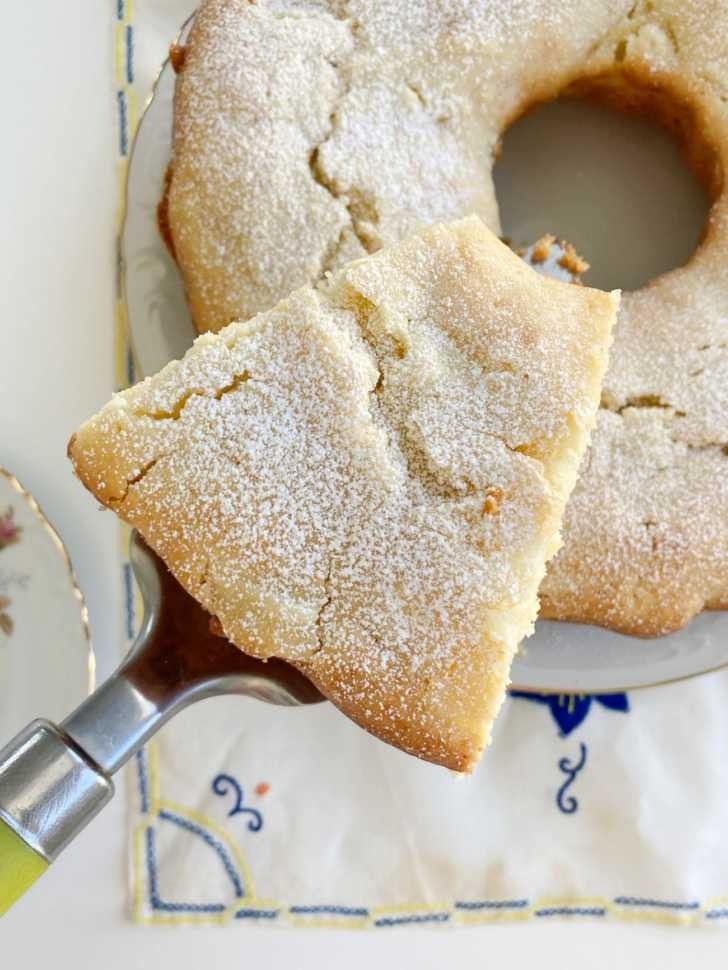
[368, 479]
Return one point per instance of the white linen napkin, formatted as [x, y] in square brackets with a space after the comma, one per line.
[608, 806]
[601, 807]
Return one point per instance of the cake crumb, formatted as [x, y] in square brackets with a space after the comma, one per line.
[572, 262]
[542, 248]
[177, 54]
[492, 503]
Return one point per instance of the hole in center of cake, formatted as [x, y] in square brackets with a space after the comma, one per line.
[613, 170]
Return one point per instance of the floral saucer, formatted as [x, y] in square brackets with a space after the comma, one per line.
[46, 660]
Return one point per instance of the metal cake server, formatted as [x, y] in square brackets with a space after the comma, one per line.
[55, 778]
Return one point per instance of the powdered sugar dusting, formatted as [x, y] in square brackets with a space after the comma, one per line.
[308, 133]
[364, 480]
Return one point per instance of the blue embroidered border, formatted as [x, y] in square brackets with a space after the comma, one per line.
[479, 905]
[412, 918]
[571, 911]
[329, 910]
[683, 910]
[656, 903]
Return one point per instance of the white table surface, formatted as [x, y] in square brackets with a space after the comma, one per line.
[57, 205]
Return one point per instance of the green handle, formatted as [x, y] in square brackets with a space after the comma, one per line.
[20, 866]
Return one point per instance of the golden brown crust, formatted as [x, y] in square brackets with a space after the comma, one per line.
[451, 739]
[367, 480]
[336, 171]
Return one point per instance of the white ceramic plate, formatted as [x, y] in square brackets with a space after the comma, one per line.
[46, 661]
[560, 656]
